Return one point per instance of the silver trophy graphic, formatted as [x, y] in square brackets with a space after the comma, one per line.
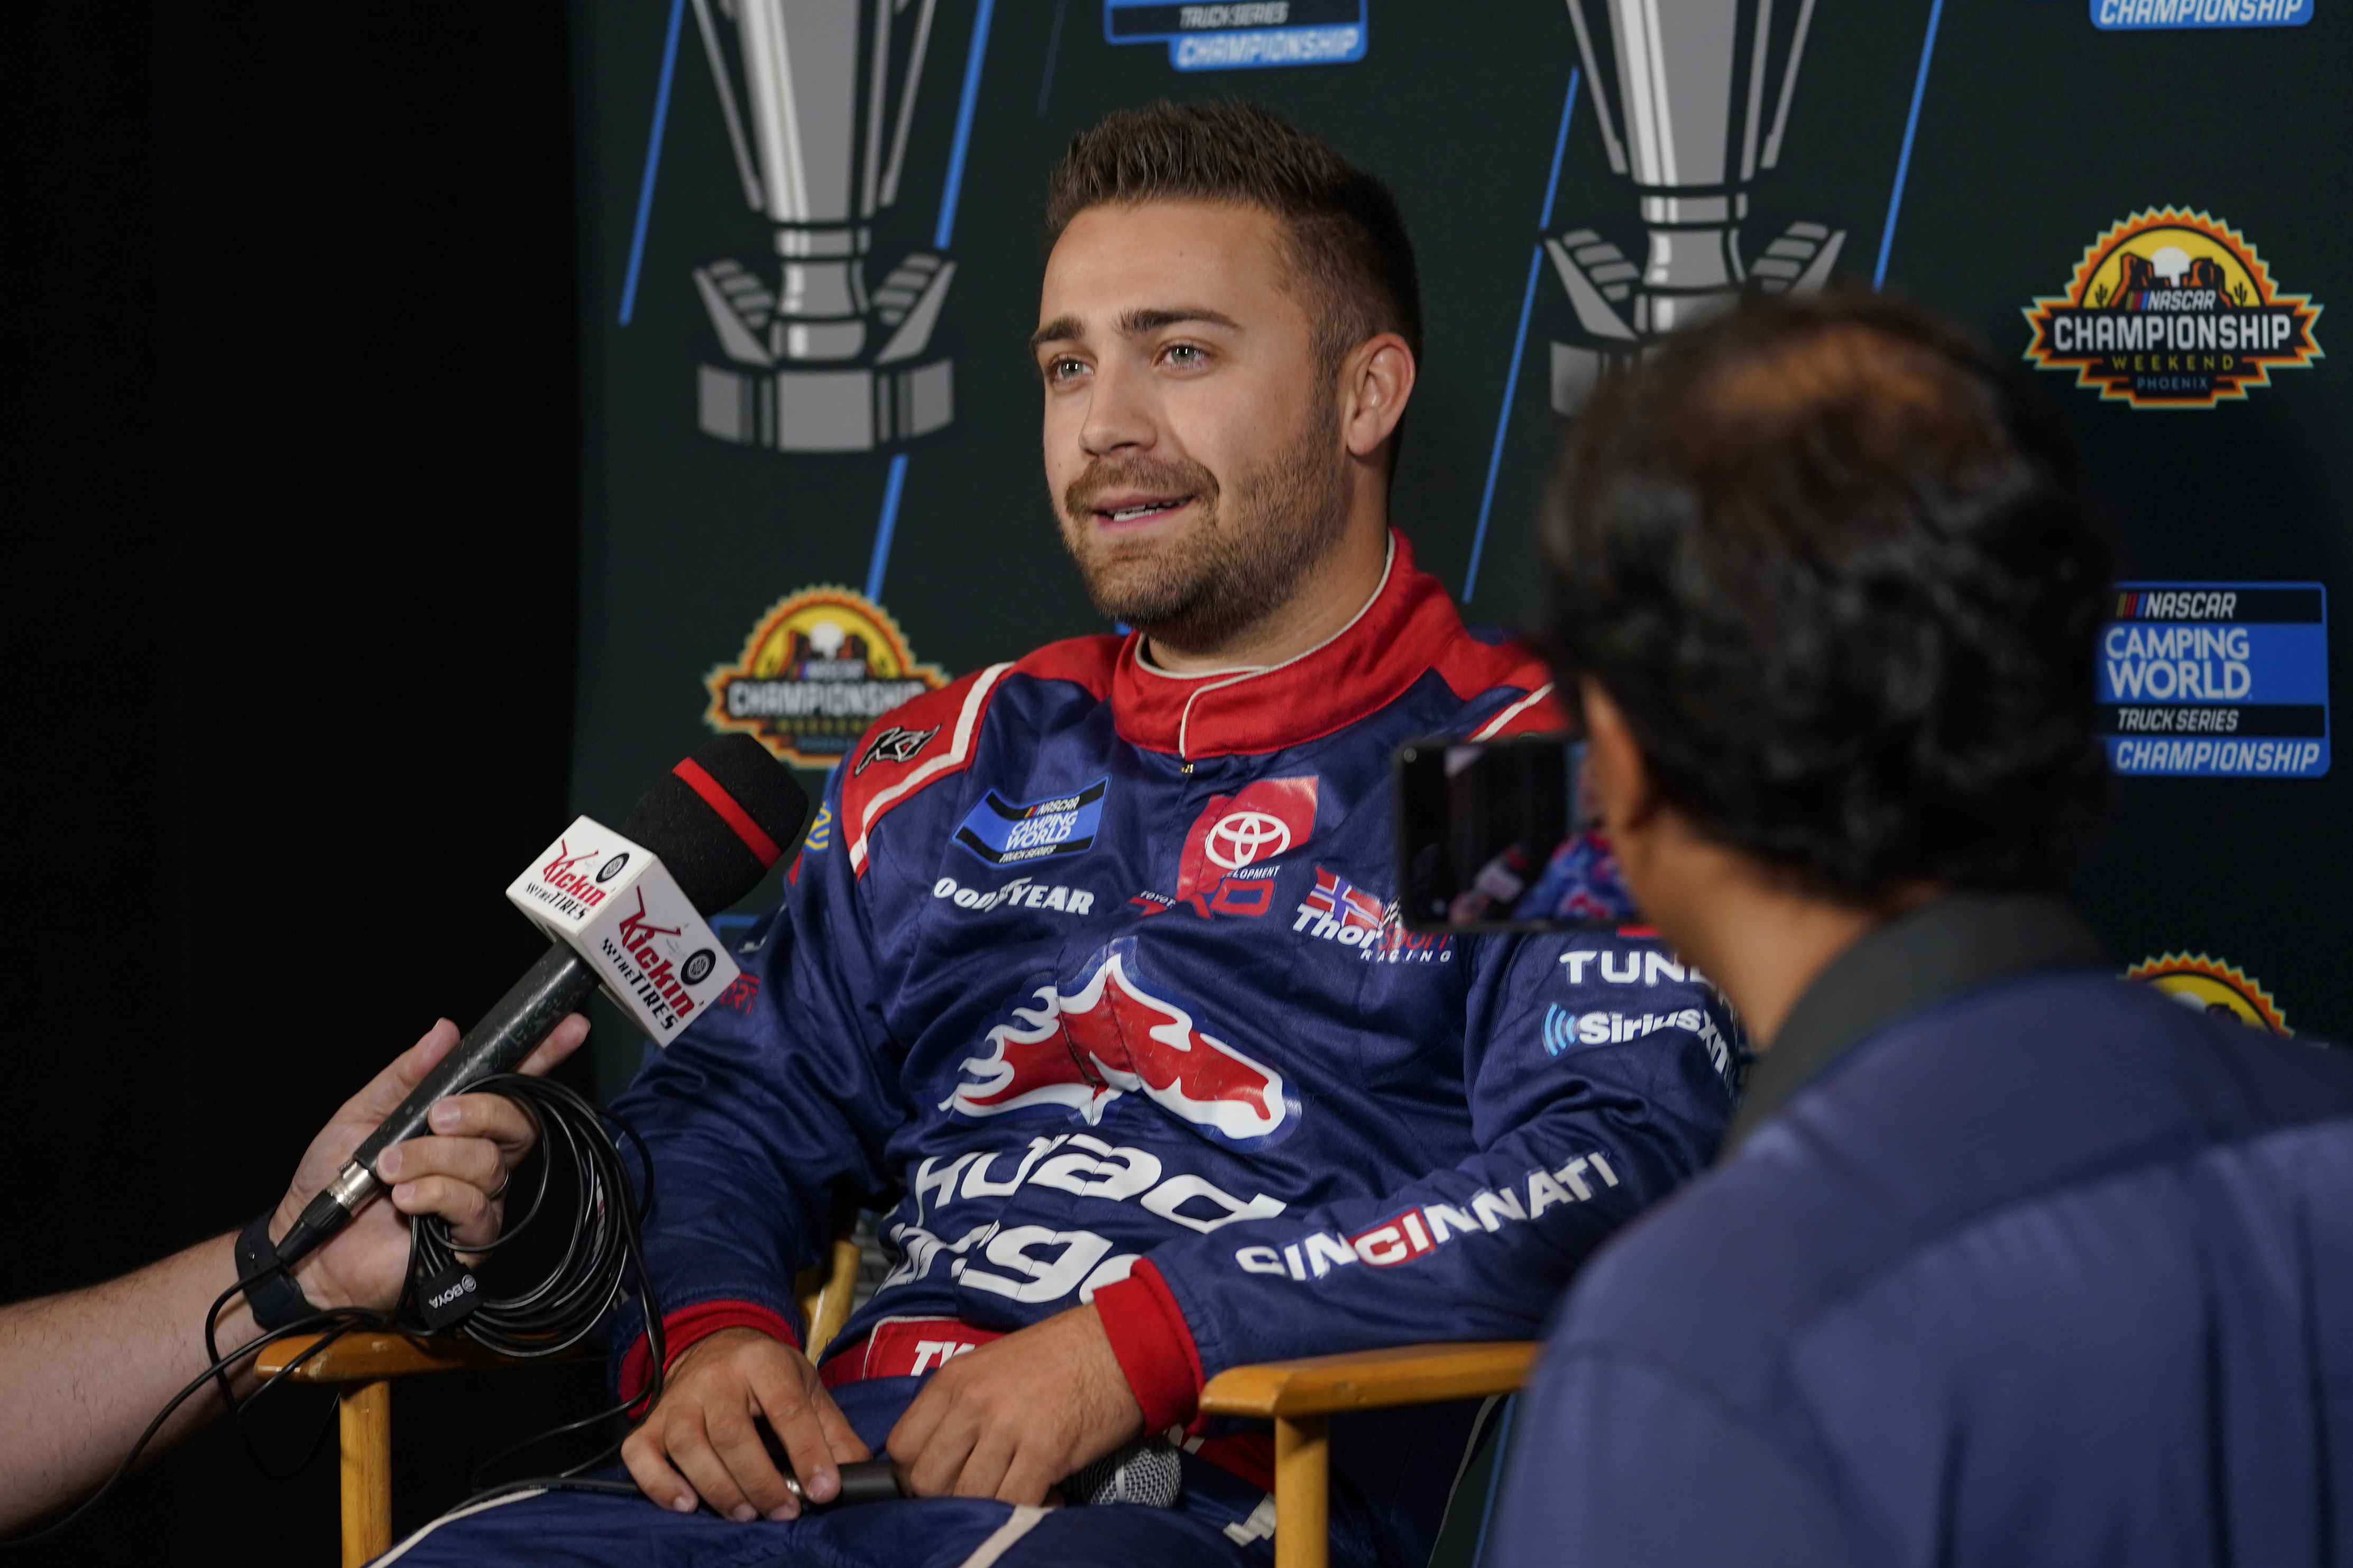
[1693, 97]
[819, 96]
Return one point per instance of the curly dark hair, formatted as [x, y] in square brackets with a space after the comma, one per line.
[1826, 556]
[1345, 237]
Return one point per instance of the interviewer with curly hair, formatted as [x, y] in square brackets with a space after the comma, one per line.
[2003, 1260]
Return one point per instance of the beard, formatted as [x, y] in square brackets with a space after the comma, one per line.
[1243, 559]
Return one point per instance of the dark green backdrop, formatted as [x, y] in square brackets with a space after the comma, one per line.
[2033, 132]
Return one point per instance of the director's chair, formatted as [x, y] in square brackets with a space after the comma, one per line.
[1298, 1396]
[361, 1368]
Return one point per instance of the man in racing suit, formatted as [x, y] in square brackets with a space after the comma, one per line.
[1089, 972]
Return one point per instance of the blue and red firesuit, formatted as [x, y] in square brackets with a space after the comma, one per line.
[1091, 977]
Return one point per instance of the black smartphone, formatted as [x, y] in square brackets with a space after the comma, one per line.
[1502, 836]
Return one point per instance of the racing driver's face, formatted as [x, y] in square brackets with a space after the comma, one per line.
[1193, 446]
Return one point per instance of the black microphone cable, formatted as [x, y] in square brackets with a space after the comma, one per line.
[604, 1254]
[602, 1261]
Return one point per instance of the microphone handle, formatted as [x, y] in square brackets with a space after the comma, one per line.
[533, 1005]
[554, 987]
[868, 1480]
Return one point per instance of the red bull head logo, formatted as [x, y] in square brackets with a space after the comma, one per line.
[1086, 1048]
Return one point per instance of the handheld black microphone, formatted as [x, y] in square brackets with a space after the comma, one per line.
[707, 830]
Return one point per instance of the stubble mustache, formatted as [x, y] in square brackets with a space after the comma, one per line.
[1174, 479]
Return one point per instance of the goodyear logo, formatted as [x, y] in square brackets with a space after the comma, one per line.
[820, 668]
[2172, 309]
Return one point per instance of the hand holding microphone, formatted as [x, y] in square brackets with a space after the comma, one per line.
[626, 910]
[459, 1170]
[697, 842]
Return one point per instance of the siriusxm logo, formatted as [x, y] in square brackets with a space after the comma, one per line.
[1564, 1030]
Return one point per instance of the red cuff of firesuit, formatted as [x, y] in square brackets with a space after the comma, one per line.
[1156, 1350]
[690, 1325]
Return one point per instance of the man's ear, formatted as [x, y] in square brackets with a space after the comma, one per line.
[1375, 381]
[1616, 770]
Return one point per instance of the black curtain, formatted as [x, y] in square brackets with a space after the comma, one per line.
[293, 497]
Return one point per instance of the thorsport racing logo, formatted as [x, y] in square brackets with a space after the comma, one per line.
[819, 669]
[2172, 309]
[1086, 1047]
[1338, 911]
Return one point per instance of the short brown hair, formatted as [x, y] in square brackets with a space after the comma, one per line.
[1343, 233]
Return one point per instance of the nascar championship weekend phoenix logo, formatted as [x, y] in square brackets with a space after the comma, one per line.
[2172, 309]
[821, 666]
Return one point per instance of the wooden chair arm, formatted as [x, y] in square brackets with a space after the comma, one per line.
[824, 1297]
[1299, 1397]
[1371, 1379]
[370, 1358]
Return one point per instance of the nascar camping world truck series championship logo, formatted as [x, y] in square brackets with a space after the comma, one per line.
[2172, 309]
[819, 669]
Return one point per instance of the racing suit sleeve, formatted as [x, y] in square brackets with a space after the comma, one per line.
[1583, 1112]
[764, 1117]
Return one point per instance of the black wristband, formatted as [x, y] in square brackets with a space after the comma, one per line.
[275, 1301]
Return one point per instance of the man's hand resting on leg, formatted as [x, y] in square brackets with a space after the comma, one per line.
[699, 1440]
[1013, 1417]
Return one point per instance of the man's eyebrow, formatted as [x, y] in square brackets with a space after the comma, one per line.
[1151, 321]
[1064, 328]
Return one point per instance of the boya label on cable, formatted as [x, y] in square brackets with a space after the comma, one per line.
[612, 902]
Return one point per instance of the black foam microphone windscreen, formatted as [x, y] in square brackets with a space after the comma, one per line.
[720, 819]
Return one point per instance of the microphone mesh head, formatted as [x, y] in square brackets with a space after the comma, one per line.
[1146, 1472]
[715, 860]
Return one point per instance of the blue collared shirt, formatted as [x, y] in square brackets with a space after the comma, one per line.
[2039, 1267]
